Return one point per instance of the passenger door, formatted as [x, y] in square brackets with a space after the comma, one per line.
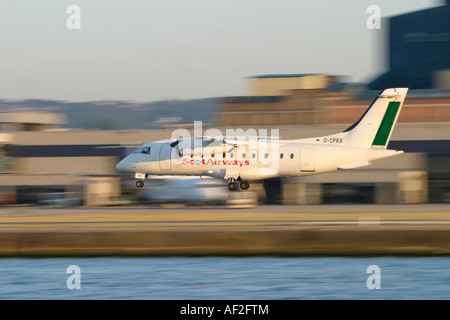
[307, 160]
[165, 159]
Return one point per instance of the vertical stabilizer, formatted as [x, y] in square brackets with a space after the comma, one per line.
[377, 123]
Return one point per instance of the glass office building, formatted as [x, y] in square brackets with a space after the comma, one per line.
[419, 48]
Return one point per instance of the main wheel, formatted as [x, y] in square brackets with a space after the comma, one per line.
[139, 183]
[245, 185]
[233, 186]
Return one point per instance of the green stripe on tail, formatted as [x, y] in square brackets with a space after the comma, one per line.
[386, 124]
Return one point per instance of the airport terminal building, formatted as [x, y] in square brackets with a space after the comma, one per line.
[418, 52]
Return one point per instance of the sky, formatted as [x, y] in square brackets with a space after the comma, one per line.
[153, 50]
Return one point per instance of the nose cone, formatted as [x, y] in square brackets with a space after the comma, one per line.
[123, 165]
[120, 166]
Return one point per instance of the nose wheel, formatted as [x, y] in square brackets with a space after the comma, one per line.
[139, 183]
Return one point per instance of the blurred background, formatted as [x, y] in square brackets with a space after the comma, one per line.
[64, 124]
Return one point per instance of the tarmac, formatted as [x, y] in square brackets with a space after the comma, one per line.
[176, 230]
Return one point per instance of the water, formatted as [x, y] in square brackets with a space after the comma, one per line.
[225, 278]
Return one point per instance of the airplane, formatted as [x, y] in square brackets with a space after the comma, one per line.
[239, 159]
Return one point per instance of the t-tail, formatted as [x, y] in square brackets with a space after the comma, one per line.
[374, 128]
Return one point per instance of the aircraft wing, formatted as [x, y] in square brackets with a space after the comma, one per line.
[238, 140]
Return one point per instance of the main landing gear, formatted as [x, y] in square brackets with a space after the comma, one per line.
[233, 185]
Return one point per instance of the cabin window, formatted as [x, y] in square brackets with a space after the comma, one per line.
[292, 156]
[231, 155]
[281, 156]
[253, 155]
[223, 155]
[243, 156]
[266, 155]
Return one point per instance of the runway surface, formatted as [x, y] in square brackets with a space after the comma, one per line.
[44, 218]
[326, 230]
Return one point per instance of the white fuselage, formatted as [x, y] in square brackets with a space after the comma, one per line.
[258, 157]
[276, 159]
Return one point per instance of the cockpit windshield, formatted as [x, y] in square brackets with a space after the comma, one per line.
[145, 150]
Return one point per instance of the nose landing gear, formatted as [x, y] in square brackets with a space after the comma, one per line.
[140, 176]
[139, 183]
